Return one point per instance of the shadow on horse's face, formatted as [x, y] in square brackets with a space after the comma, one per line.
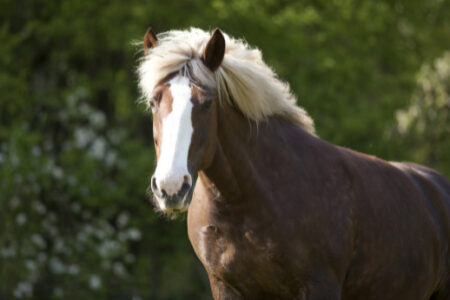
[184, 131]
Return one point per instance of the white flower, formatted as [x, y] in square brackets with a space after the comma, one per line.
[134, 234]
[31, 265]
[23, 289]
[42, 257]
[38, 240]
[111, 158]
[39, 207]
[108, 248]
[57, 266]
[73, 269]
[101, 234]
[8, 252]
[119, 269]
[95, 282]
[59, 246]
[75, 207]
[114, 137]
[97, 119]
[21, 219]
[123, 219]
[83, 136]
[14, 202]
[98, 148]
[57, 172]
[36, 151]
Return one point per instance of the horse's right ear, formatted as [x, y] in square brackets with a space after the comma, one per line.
[214, 50]
[150, 40]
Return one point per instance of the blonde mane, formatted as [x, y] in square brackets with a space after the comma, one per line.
[243, 79]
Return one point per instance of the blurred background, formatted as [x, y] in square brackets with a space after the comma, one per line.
[76, 150]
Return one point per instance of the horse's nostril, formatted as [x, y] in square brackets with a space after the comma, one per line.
[154, 186]
[187, 179]
[168, 189]
[184, 189]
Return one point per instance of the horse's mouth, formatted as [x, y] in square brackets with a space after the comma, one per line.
[176, 210]
[173, 205]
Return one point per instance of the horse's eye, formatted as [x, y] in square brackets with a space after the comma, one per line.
[152, 104]
[157, 97]
[154, 101]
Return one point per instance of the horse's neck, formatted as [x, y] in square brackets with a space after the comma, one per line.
[246, 154]
[231, 151]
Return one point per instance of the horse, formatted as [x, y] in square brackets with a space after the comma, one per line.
[273, 211]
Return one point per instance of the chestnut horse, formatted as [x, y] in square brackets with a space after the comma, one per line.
[274, 212]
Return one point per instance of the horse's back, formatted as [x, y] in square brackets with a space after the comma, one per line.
[436, 192]
[419, 198]
[402, 212]
[428, 175]
[435, 189]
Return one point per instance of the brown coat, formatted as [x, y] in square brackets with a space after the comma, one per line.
[281, 214]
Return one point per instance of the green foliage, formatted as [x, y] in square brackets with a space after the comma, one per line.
[76, 150]
[425, 124]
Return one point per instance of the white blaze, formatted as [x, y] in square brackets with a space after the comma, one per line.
[176, 139]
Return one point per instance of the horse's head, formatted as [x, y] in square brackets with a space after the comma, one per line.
[184, 126]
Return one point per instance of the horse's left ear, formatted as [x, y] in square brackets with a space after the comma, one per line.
[214, 50]
[150, 40]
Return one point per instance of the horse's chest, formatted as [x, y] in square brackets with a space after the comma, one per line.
[242, 256]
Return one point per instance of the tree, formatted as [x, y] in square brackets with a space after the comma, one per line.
[425, 123]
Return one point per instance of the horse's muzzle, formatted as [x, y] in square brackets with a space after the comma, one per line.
[172, 203]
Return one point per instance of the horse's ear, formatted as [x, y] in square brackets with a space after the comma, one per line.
[150, 40]
[214, 50]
